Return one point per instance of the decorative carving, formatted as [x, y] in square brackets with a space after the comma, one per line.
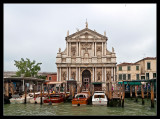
[73, 50]
[112, 49]
[86, 46]
[86, 24]
[59, 50]
[68, 33]
[99, 48]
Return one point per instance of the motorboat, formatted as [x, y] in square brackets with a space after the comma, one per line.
[81, 99]
[16, 98]
[54, 98]
[99, 98]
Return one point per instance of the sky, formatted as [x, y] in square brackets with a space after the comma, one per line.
[37, 31]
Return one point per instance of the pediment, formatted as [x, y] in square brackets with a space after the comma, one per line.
[86, 33]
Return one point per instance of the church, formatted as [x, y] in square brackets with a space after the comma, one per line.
[86, 59]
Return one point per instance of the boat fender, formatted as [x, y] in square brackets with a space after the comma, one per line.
[78, 104]
[35, 102]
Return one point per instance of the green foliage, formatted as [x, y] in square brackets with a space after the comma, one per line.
[41, 77]
[28, 68]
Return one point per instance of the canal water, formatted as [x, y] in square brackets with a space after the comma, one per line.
[66, 109]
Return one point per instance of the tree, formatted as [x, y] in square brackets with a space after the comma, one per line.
[28, 68]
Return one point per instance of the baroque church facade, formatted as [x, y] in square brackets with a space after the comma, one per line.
[86, 59]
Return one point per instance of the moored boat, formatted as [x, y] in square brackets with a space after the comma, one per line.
[81, 99]
[99, 98]
[54, 98]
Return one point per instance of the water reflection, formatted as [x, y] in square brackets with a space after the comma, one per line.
[130, 108]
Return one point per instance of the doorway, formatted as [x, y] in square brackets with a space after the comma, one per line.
[86, 79]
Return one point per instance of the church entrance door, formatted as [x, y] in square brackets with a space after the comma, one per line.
[86, 79]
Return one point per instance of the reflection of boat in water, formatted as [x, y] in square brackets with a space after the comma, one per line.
[99, 98]
[81, 99]
[54, 98]
[16, 98]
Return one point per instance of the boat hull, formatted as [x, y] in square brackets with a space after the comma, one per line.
[104, 103]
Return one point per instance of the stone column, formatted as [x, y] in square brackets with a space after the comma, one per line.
[67, 48]
[95, 49]
[69, 73]
[102, 74]
[112, 74]
[105, 48]
[93, 74]
[60, 74]
[57, 74]
[79, 74]
[102, 48]
[76, 74]
[105, 74]
[79, 49]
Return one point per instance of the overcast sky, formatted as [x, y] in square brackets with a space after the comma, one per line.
[37, 31]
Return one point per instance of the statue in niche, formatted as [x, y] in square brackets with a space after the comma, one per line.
[98, 75]
[64, 76]
[73, 75]
[108, 75]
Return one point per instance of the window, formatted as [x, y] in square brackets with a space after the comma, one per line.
[50, 78]
[129, 76]
[137, 76]
[148, 65]
[124, 76]
[120, 68]
[142, 77]
[120, 76]
[147, 75]
[137, 67]
[129, 68]
[154, 75]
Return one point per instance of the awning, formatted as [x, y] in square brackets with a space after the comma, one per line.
[53, 83]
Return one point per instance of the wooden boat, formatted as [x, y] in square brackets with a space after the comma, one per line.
[81, 99]
[99, 98]
[54, 98]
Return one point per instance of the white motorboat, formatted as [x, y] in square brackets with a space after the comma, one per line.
[16, 99]
[20, 99]
[99, 98]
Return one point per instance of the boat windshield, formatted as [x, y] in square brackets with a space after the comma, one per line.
[98, 96]
[80, 96]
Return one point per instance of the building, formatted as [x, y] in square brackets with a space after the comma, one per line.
[142, 69]
[86, 59]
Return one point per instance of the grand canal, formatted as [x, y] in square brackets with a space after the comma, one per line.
[66, 109]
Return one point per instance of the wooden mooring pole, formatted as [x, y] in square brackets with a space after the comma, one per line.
[136, 97]
[25, 99]
[147, 91]
[41, 94]
[131, 92]
[152, 94]
[120, 95]
[142, 93]
[123, 94]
